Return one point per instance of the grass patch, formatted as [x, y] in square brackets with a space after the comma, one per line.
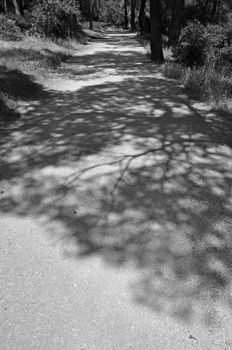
[34, 55]
[27, 61]
[25, 64]
[173, 70]
[31, 61]
[194, 82]
[205, 84]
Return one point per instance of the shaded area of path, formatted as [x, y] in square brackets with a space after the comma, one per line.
[115, 162]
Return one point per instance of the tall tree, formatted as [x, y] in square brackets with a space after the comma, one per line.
[133, 7]
[15, 6]
[142, 15]
[214, 10]
[5, 6]
[18, 7]
[126, 14]
[156, 31]
[176, 21]
[90, 12]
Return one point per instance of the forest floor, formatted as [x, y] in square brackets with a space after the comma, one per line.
[115, 210]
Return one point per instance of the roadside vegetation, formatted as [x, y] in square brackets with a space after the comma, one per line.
[202, 60]
[192, 38]
[36, 37]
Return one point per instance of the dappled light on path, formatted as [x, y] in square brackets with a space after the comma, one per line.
[135, 173]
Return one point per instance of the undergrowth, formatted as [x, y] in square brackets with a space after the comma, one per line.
[205, 84]
[9, 30]
[204, 63]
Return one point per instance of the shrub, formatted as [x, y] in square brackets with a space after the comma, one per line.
[219, 46]
[207, 53]
[112, 12]
[23, 23]
[192, 43]
[210, 45]
[9, 30]
[55, 18]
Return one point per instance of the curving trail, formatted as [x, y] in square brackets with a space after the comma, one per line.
[115, 211]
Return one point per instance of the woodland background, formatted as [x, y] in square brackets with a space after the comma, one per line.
[193, 37]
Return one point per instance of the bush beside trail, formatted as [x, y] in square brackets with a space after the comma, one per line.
[209, 45]
[9, 30]
[56, 19]
[204, 62]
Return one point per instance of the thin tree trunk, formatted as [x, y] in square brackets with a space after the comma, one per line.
[18, 7]
[205, 9]
[142, 15]
[5, 6]
[125, 14]
[176, 23]
[90, 23]
[214, 11]
[133, 5]
[91, 14]
[219, 8]
[156, 32]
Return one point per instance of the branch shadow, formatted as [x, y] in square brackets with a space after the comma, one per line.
[136, 174]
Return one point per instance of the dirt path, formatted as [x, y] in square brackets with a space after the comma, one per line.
[115, 212]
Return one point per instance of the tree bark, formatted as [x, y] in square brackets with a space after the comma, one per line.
[5, 6]
[214, 11]
[18, 8]
[176, 22]
[218, 12]
[133, 5]
[91, 14]
[156, 32]
[142, 15]
[125, 14]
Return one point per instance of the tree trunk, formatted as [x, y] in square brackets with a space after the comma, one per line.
[142, 15]
[125, 15]
[90, 23]
[156, 32]
[214, 11]
[72, 22]
[91, 14]
[98, 8]
[133, 5]
[18, 8]
[176, 22]
[218, 12]
[5, 6]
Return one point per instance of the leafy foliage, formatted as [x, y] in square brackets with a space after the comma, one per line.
[9, 30]
[219, 46]
[112, 12]
[191, 47]
[52, 17]
[209, 45]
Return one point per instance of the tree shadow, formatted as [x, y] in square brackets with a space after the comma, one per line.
[15, 87]
[18, 84]
[136, 174]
